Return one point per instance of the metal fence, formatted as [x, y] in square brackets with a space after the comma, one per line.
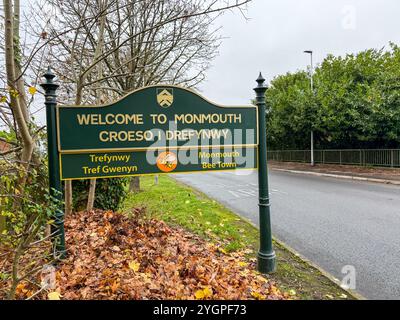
[360, 157]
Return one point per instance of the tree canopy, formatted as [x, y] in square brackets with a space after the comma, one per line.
[355, 104]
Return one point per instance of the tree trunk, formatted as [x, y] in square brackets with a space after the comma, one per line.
[134, 185]
[98, 51]
[20, 85]
[68, 198]
[91, 196]
[22, 123]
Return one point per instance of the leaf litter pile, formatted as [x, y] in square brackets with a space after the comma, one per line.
[112, 256]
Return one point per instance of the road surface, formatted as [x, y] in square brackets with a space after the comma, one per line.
[334, 223]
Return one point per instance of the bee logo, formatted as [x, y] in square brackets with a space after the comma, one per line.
[167, 162]
[165, 97]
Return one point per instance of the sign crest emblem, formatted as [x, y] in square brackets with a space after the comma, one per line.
[165, 97]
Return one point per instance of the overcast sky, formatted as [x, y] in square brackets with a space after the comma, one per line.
[278, 32]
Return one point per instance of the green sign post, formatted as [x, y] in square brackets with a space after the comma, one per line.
[57, 229]
[155, 130]
[266, 254]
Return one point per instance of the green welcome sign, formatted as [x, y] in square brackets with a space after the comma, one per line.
[156, 129]
[141, 118]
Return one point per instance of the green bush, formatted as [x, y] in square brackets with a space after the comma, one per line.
[355, 103]
[110, 193]
[26, 217]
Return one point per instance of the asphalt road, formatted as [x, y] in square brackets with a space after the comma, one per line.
[334, 223]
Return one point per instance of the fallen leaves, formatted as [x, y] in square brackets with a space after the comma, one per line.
[21, 288]
[205, 293]
[292, 292]
[113, 257]
[258, 295]
[133, 265]
[54, 295]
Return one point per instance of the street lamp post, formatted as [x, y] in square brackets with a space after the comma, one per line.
[310, 52]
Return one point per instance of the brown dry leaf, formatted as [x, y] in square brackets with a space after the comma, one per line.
[21, 288]
[114, 287]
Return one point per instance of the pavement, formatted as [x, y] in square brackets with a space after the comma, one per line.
[341, 225]
[371, 174]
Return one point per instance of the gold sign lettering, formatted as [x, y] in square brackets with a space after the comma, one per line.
[109, 119]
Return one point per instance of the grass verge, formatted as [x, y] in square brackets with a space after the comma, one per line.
[180, 205]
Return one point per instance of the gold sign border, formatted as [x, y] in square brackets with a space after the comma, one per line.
[153, 148]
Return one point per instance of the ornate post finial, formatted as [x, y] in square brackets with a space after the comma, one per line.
[260, 80]
[49, 75]
[260, 89]
[50, 87]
